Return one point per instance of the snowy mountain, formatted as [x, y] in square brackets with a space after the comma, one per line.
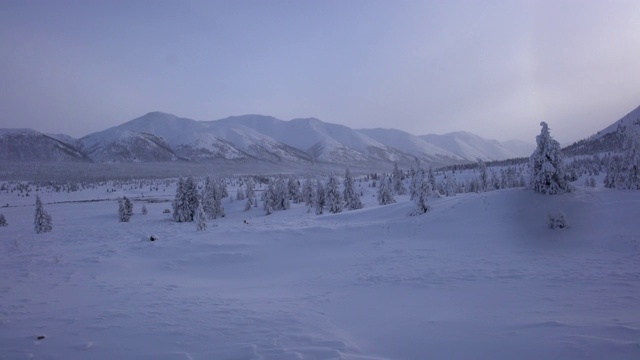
[31, 145]
[322, 141]
[121, 145]
[472, 147]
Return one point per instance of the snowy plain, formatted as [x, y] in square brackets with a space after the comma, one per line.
[480, 276]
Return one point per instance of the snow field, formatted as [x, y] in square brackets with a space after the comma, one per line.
[479, 276]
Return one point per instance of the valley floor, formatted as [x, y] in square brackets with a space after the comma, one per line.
[479, 277]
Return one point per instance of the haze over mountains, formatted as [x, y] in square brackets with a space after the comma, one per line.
[157, 137]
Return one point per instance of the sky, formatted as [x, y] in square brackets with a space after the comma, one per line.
[493, 68]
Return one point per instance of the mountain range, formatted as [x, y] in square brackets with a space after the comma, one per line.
[159, 137]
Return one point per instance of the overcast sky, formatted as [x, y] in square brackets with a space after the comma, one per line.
[494, 68]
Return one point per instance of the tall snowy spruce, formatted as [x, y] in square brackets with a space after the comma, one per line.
[333, 196]
[186, 200]
[250, 194]
[125, 209]
[385, 194]
[42, 220]
[351, 198]
[398, 186]
[212, 195]
[294, 190]
[308, 193]
[281, 195]
[421, 197]
[319, 200]
[547, 166]
[201, 218]
[3, 221]
[269, 199]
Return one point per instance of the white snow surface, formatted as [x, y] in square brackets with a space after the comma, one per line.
[478, 277]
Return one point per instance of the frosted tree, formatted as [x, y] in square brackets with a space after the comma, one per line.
[483, 178]
[269, 199]
[144, 210]
[333, 196]
[125, 209]
[624, 171]
[222, 188]
[421, 198]
[398, 186]
[186, 200]
[308, 193]
[351, 198]
[42, 220]
[413, 186]
[240, 194]
[250, 194]
[3, 221]
[432, 178]
[293, 186]
[415, 182]
[547, 165]
[385, 195]
[281, 195]
[450, 185]
[319, 200]
[212, 195]
[201, 218]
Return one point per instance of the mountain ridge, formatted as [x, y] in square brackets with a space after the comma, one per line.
[158, 136]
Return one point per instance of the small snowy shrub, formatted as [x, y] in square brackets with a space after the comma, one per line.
[144, 210]
[3, 220]
[557, 220]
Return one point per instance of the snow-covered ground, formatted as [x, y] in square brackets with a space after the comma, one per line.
[479, 277]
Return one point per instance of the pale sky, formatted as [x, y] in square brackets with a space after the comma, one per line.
[494, 68]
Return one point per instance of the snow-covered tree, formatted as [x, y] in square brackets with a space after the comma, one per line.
[421, 198]
[319, 199]
[432, 178]
[201, 218]
[483, 178]
[308, 193]
[269, 199]
[144, 210]
[240, 194]
[125, 209]
[42, 220]
[385, 194]
[222, 188]
[293, 186]
[351, 198]
[212, 195]
[333, 196]
[281, 195]
[547, 165]
[398, 186]
[250, 194]
[624, 171]
[186, 200]
[3, 221]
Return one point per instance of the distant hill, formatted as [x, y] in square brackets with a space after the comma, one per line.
[31, 145]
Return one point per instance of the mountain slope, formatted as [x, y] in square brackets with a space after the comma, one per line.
[609, 139]
[472, 147]
[31, 145]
